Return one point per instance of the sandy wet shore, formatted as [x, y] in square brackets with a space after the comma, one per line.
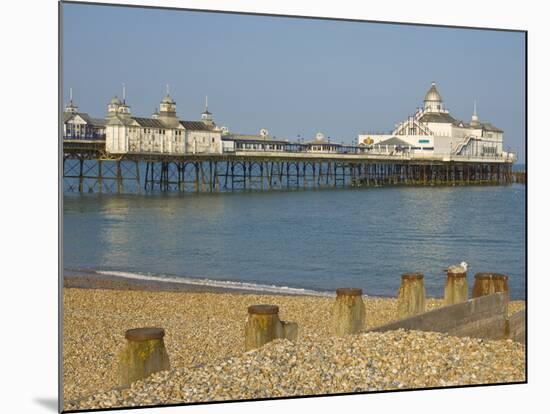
[204, 329]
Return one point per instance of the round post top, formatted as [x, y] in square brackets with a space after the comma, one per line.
[483, 276]
[412, 276]
[499, 276]
[349, 292]
[455, 274]
[263, 309]
[144, 334]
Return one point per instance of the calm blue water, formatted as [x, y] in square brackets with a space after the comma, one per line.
[518, 167]
[317, 240]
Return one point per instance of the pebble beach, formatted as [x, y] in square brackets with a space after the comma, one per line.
[205, 342]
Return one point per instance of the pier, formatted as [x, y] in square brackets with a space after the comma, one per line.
[88, 167]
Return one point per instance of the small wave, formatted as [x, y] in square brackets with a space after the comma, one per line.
[224, 284]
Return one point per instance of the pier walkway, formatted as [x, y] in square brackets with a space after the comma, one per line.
[87, 167]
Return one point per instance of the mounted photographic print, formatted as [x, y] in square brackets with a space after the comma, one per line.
[260, 206]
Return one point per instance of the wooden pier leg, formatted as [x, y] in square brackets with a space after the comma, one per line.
[262, 175]
[197, 176]
[143, 355]
[138, 182]
[163, 176]
[152, 175]
[456, 288]
[368, 171]
[424, 180]
[217, 182]
[146, 181]
[100, 175]
[210, 177]
[81, 176]
[119, 183]
[270, 175]
[313, 180]
[349, 311]
[181, 177]
[244, 175]
[203, 182]
[289, 173]
[226, 174]
[232, 176]
[411, 298]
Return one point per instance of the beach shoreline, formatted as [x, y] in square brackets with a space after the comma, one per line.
[206, 328]
[111, 280]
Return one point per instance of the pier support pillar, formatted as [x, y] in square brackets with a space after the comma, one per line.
[263, 326]
[456, 288]
[483, 285]
[143, 355]
[411, 298]
[349, 311]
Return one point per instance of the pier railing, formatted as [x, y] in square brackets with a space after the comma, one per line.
[296, 151]
[85, 136]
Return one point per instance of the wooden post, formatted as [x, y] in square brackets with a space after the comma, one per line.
[290, 330]
[500, 284]
[411, 298]
[483, 285]
[456, 288]
[263, 326]
[143, 355]
[349, 311]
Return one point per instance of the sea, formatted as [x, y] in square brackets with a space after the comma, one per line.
[293, 242]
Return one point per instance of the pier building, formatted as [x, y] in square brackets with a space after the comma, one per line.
[162, 133]
[432, 130]
[80, 125]
[322, 144]
[163, 152]
[253, 142]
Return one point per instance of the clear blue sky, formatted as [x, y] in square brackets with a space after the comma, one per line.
[292, 76]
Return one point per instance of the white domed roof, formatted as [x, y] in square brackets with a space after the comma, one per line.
[433, 95]
[115, 101]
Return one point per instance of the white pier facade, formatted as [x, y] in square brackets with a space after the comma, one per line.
[433, 132]
[431, 135]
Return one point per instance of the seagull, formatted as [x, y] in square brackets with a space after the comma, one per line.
[459, 268]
